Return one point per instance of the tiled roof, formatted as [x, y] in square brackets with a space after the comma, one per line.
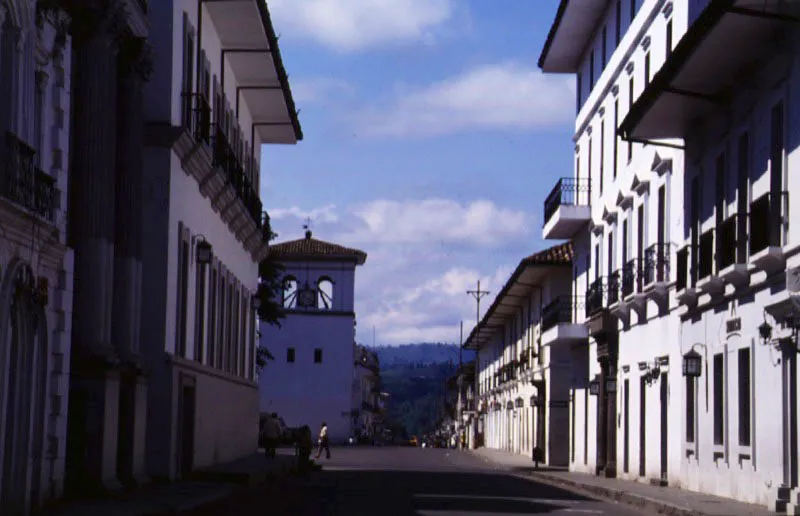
[309, 248]
[557, 255]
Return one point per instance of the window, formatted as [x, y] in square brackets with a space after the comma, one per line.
[610, 257]
[604, 47]
[188, 65]
[199, 310]
[597, 261]
[743, 188]
[38, 116]
[616, 139]
[776, 161]
[602, 152]
[618, 25]
[744, 397]
[183, 288]
[589, 166]
[624, 242]
[591, 70]
[691, 413]
[318, 356]
[630, 106]
[212, 317]
[290, 355]
[647, 69]
[669, 38]
[719, 194]
[578, 93]
[633, 10]
[719, 399]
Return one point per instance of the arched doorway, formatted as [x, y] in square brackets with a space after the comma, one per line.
[23, 383]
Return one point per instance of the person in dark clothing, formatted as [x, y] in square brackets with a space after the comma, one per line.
[304, 447]
[323, 442]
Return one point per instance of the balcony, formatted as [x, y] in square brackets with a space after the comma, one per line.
[731, 262]
[567, 208]
[656, 272]
[707, 279]
[24, 184]
[196, 117]
[559, 322]
[767, 224]
[633, 291]
[686, 293]
[617, 305]
[239, 187]
[594, 298]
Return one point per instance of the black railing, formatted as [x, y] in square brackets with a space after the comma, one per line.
[226, 159]
[562, 309]
[568, 191]
[766, 221]
[705, 256]
[594, 297]
[613, 288]
[630, 274]
[656, 263]
[23, 183]
[726, 242]
[682, 274]
[196, 116]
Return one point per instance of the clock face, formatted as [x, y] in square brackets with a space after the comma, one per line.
[306, 297]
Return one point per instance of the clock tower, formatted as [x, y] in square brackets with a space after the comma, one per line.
[310, 379]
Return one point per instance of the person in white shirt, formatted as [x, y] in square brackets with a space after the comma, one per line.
[323, 443]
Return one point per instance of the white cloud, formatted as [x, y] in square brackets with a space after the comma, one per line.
[320, 89]
[355, 25]
[423, 256]
[494, 96]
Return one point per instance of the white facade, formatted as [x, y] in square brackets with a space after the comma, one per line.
[211, 107]
[367, 402]
[35, 262]
[692, 203]
[523, 373]
[311, 378]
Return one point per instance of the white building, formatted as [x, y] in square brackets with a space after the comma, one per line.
[368, 404]
[311, 378]
[738, 244]
[36, 263]
[217, 93]
[687, 255]
[524, 359]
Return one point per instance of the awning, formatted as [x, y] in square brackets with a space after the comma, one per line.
[571, 31]
[250, 47]
[729, 38]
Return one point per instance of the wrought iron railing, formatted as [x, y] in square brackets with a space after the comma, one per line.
[682, 272]
[23, 183]
[766, 221]
[705, 256]
[656, 263]
[630, 274]
[225, 158]
[613, 288]
[196, 116]
[594, 297]
[568, 191]
[562, 309]
[726, 242]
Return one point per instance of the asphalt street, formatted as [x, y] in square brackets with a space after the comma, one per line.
[410, 481]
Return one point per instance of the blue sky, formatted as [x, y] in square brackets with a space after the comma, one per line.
[431, 141]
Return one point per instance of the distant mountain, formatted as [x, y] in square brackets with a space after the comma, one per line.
[422, 353]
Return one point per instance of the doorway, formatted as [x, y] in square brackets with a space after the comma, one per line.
[664, 423]
[789, 377]
[625, 424]
[186, 417]
[642, 427]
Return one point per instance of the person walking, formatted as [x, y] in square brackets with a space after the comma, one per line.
[323, 442]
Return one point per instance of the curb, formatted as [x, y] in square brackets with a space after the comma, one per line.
[638, 501]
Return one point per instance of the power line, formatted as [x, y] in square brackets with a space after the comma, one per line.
[478, 294]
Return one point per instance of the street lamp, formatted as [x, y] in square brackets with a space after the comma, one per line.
[765, 331]
[204, 250]
[594, 387]
[692, 364]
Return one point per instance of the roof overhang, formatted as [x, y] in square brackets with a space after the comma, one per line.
[523, 281]
[569, 35]
[727, 40]
[250, 46]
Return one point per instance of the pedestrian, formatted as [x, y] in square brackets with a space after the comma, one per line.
[323, 442]
[304, 446]
[271, 435]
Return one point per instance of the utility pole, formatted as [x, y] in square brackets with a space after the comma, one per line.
[478, 294]
[460, 347]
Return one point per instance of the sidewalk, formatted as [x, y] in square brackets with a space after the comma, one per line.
[665, 500]
[206, 486]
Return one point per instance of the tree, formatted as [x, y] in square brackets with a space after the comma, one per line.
[270, 293]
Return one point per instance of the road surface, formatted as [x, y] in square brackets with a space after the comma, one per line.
[401, 481]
